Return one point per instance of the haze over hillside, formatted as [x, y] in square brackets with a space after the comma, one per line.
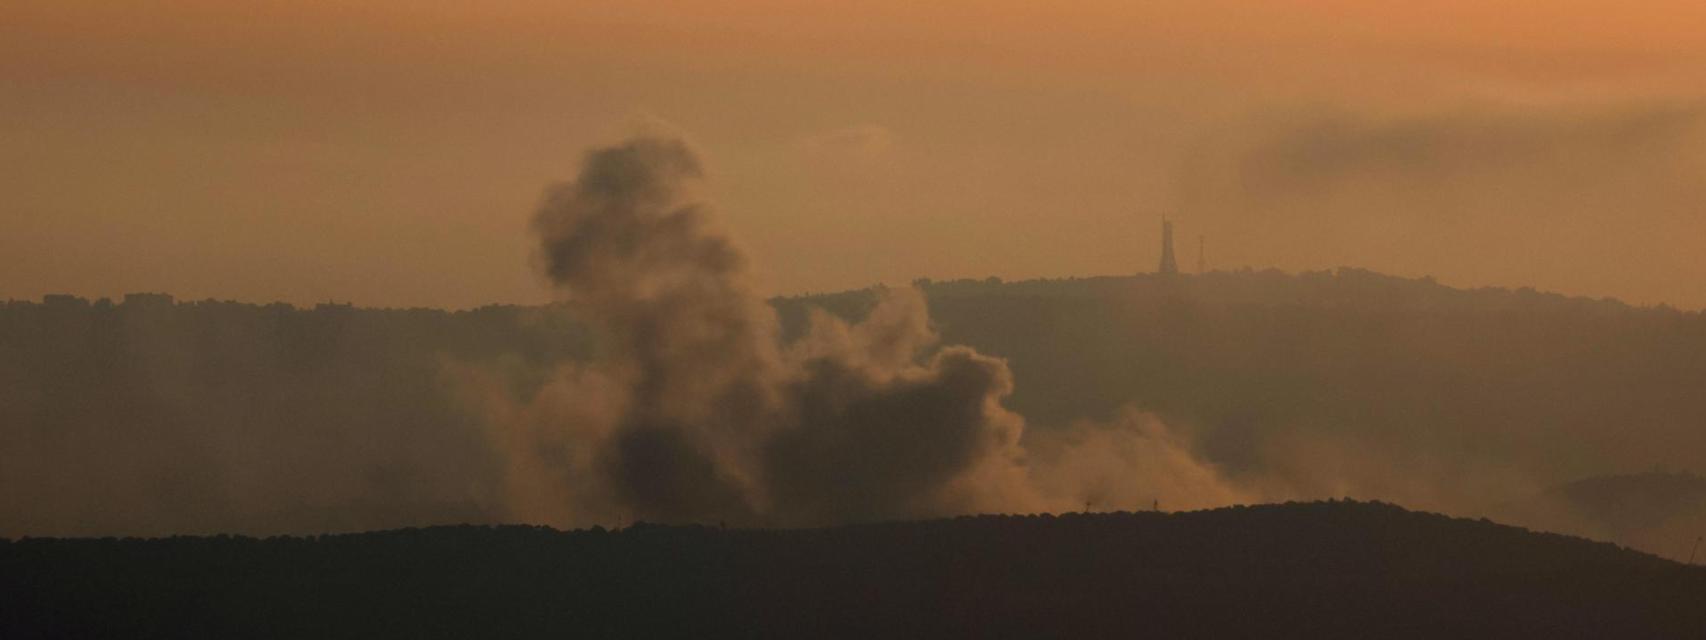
[146, 417]
[1664, 512]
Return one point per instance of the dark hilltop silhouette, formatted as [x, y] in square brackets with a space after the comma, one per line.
[1320, 570]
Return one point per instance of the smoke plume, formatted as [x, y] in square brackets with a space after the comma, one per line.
[664, 388]
[696, 410]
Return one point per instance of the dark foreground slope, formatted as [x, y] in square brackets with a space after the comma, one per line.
[1340, 569]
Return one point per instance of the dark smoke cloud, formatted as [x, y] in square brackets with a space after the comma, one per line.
[688, 338]
[710, 416]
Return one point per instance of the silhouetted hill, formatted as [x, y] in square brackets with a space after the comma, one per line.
[1332, 569]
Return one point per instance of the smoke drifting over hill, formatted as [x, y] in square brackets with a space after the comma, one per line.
[703, 413]
[664, 388]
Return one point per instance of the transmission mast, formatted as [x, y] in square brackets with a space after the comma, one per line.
[1169, 266]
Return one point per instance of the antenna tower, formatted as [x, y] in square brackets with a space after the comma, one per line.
[1168, 265]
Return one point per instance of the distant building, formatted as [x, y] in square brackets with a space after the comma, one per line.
[1169, 266]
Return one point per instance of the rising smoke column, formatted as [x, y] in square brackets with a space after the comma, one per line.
[694, 358]
[712, 418]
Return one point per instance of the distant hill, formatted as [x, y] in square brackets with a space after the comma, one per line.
[1348, 382]
[150, 416]
[1329, 569]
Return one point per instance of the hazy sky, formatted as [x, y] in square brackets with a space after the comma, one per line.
[392, 152]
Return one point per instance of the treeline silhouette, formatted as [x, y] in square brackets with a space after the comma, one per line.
[1329, 569]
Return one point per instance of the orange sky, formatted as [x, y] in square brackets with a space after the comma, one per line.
[390, 152]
